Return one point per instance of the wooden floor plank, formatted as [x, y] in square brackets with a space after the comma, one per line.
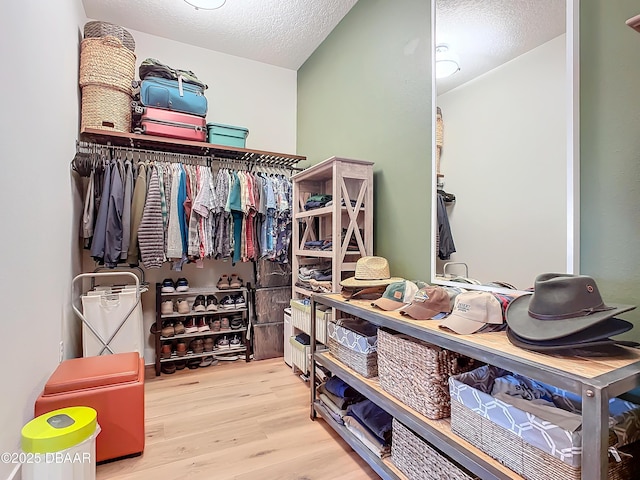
[236, 421]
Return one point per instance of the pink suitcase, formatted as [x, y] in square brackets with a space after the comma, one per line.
[165, 123]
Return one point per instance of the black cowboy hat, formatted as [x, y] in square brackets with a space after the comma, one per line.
[561, 305]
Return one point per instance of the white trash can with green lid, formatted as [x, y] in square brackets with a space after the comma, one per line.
[60, 445]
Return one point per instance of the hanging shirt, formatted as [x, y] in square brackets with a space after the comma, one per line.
[150, 232]
[126, 211]
[113, 236]
[174, 239]
[100, 229]
[137, 208]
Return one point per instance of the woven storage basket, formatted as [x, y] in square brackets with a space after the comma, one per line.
[416, 459]
[102, 29]
[106, 61]
[301, 319]
[105, 108]
[417, 373]
[366, 364]
[526, 460]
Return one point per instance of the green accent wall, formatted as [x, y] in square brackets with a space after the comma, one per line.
[366, 93]
[610, 151]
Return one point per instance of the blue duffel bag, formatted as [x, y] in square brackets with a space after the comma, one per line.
[174, 95]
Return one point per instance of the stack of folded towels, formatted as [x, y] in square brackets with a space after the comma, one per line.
[363, 418]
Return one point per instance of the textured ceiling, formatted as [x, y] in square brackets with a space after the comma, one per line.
[277, 32]
[488, 33]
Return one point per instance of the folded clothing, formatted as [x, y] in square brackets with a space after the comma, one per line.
[362, 433]
[566, 420]
[338, 413]
[521, 387]
[303, 338]
[373, 417]
[338, 387]
[340, 402]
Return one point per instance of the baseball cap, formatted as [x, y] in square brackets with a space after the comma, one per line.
[428, 302]
[396, 295]
[472, 311]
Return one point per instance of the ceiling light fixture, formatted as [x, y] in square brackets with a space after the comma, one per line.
[206, 4]
[447, 62]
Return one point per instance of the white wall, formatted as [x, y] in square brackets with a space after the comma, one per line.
[38, 126]
[241, 92]
[504, 157]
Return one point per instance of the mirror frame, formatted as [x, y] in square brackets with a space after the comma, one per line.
[572, 109]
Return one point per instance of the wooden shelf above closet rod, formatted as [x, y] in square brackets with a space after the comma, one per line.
[173, 145]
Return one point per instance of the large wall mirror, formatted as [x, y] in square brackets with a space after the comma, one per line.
[505, 141]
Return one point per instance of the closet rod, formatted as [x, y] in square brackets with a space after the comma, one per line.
[159, 155]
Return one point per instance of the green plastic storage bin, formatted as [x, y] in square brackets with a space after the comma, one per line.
[228, 135]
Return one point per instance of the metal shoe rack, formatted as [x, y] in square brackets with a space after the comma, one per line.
[188, 337]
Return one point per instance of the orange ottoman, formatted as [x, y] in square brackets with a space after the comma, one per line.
[111, 384]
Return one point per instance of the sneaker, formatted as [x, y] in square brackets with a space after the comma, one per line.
[212, 303]
[222, 343]
[197, 346]
[224, 324]
[166, 307]
[182, 305]
[215, 325]
[206, 362]
[223, 283]
[190, 325]
[208, 344]
[228, 303]
[235, 342]
[168, 330]
[236, 323]
[193, 363]
[182, 285]
[202, 325]
[235, 281]
[168, 286]
[199, 304]
[240, 302]
[178, 327]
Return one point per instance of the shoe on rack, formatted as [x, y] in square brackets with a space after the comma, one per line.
[168, 330]
[202, 325]
[190, 325]
[222, 343]
[181, 348]
[235, 342]
[224, 324]
[183, 306]
[216, 325]
[166, 350]
[236, 323]
[193, 363]
[199, 304]
[178, 327]
[208, 344]
[182, 285]
[240, 302]
[181, 364]
[235, 281]
[207, 362]
[166, 307]
[223, 282]
[167, 286]
[212, 303]
[228, 303]
[168, 367]
[197, 346]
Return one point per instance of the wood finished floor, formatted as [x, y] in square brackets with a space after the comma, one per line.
[237, 420]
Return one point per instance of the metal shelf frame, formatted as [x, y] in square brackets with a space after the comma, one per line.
[595, 391]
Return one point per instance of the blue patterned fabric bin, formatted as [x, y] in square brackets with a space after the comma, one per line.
[472, 390]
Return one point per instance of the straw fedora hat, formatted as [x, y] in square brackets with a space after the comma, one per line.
[370, 272]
